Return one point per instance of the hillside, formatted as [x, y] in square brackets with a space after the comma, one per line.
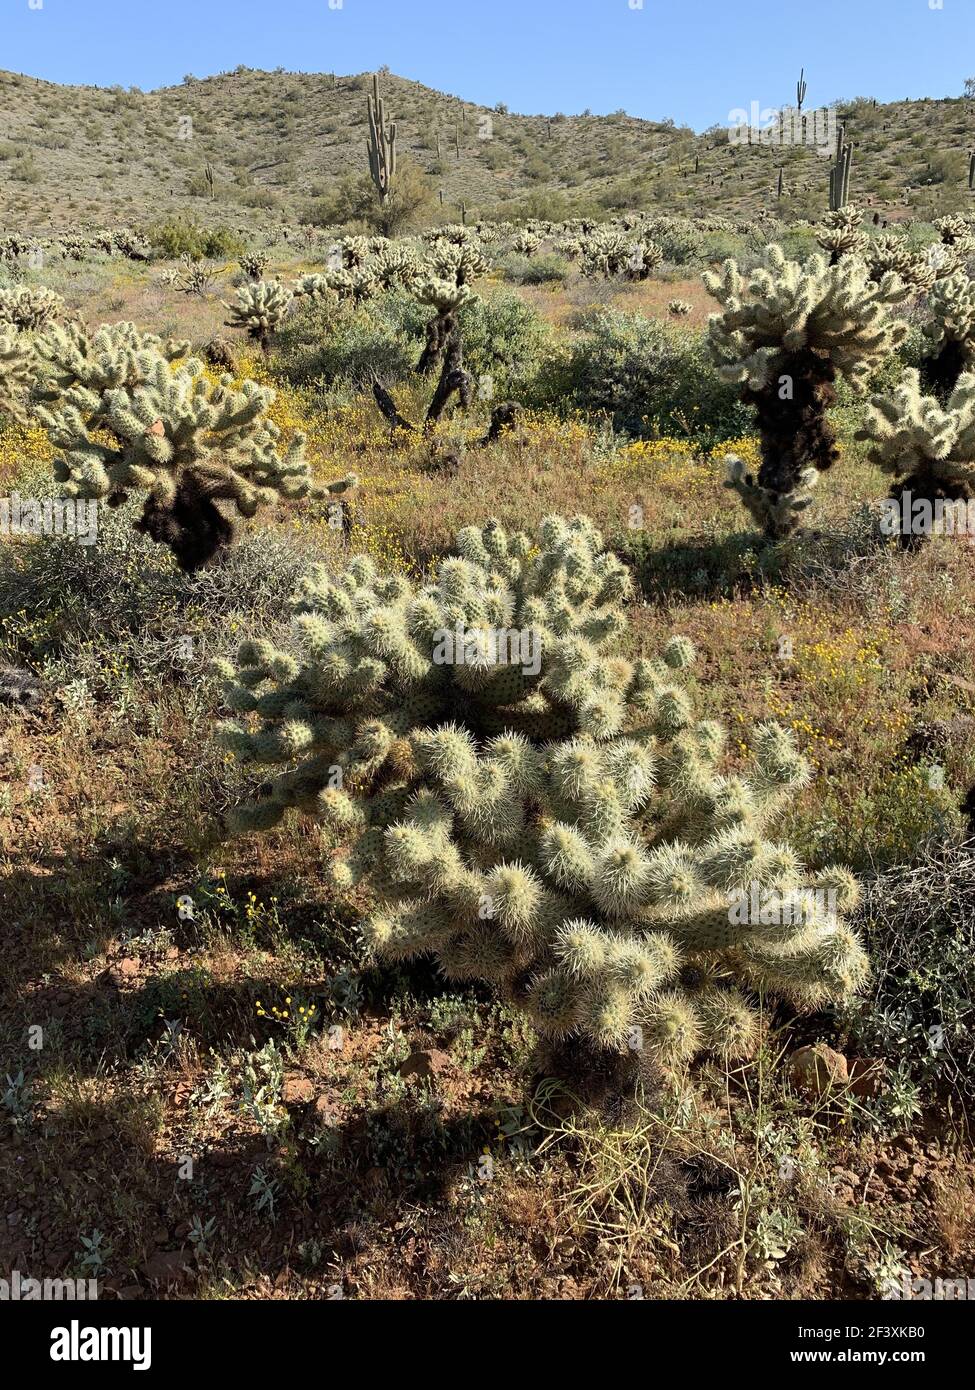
[277, 141]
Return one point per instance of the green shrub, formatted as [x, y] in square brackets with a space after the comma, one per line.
[548, 269]
[182, 237]
[651, 378]
[337, 345]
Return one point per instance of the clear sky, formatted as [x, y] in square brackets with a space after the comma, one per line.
[693, 60]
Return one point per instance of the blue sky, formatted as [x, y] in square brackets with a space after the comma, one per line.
[694, 60]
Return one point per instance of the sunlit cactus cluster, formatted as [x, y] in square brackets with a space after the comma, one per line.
[532, 809]
[786, 332]
[127, 413]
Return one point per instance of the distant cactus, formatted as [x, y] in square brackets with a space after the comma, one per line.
[840, 171]
[195, 277]
[559, 827]
[785, 333]
[29, 307]
[679, 308]
[608, 253]
[259, 310]
[128, 413]
[381, 145]
[893, 255]
[254, 264]
[801, 89]
[840, 234]
[525, 242]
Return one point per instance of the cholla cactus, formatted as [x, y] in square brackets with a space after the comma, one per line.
[957, 232]
[545, 816]
[443, 281]
[608, 253]
[195, 277]
[395, 266]
[929, 449]
[525, 242]
[679, 308]
[126, 413]
[254, 264]
[951, 333]
[784, 334]
[259, 310]
[892, 255]
[122, 241]
[73, 246]
[840, 234]
[16, 372]
[354, 286]
[30, 307]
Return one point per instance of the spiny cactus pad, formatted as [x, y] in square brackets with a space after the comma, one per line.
[539, 813]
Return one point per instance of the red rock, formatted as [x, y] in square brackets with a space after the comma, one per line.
[868, 1076]
[817, 1069]
[297, 1090]
[429, 1062]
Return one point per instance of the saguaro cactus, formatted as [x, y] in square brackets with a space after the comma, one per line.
[801, 89]
[381, 145]
[547, 817]
[839, 174]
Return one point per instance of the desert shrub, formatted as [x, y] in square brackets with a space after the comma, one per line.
[649, 377]
[123, 601]
[338, 345]
[181, 237]
[504, 339]
[335, 345]
[679, 240]
[547, 269]
[918, 921]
